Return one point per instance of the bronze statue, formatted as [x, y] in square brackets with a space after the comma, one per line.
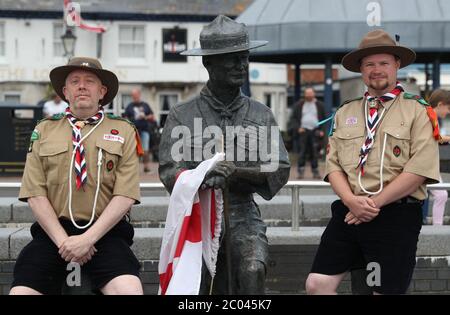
[222, 108]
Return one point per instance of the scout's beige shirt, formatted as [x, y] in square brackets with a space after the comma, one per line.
[47, 167]
[410, 146]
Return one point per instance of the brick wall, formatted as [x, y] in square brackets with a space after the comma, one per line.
[288, 268]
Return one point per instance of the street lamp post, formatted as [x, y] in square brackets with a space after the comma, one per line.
[68, 41]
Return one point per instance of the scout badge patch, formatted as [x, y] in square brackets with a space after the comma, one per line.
[397, 151]
[113, 138]
[351, 121]
[109, 165]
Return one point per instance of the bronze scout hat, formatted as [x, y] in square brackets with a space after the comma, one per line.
[223, 36]
[377, 42]
[59, 74]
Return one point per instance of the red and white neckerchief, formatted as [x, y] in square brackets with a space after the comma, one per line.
[373, 119]
[80, 160]
[192, 231]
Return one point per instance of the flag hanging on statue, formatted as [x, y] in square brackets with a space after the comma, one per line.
[192, 231]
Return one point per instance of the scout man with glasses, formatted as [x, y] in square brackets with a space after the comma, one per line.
[81, 179]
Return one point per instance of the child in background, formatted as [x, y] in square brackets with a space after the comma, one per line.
[440, 102]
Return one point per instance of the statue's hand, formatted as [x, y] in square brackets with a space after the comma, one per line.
[216, 182]
[222, 168]
[218, 176]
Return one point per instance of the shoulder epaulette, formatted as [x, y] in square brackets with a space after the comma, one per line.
[57, 116]
[112, 116]
[330, 133]
[418, 98]
[54, 117]
[139, 150]
[430, 112]
[349, 101]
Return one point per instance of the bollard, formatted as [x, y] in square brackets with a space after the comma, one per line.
[295, 205]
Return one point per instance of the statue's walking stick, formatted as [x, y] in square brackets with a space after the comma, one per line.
[226, 214]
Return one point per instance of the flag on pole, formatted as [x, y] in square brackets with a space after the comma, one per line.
[72, 17]
[192, 231]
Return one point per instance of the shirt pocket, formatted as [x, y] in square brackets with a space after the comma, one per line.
[111, 154]
[55, 161]
[248, 140]
[349, 142]
[194, 148]
[398, 145]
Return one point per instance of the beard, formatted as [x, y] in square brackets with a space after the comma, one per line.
[379, 85]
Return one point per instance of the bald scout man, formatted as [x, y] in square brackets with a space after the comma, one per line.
[380, 157]
[81, 179]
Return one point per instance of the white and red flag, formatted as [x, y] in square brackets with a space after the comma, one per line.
[72, 14]
[192, 231]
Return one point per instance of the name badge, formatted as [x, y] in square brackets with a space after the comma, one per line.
[351, 121]
[109, 137]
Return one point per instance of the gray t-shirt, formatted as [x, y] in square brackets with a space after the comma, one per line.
[309, 116]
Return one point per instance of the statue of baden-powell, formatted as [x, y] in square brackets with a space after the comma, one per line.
[256, 159]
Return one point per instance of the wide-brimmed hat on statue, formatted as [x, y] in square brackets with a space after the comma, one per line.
[59, 74]
[223, 36]
[377, 42]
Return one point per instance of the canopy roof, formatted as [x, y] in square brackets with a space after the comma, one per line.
[305, 31]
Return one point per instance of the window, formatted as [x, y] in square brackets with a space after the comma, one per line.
[282, 118]
[166, 101]
[174, 42]
[131, 41]
[12, 98]
[126, 99]
[268, 99]
[2, 39]
[58, 31]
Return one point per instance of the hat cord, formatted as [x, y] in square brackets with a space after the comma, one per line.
[382, 155]
[99, 164]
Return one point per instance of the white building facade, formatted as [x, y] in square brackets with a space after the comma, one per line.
[143, 54]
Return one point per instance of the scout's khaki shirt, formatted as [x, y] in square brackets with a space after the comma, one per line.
[410, 146]
[47, 167]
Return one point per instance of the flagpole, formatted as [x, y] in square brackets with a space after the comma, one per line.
[226, 214]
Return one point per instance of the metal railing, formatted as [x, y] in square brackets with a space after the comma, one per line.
[295, 187]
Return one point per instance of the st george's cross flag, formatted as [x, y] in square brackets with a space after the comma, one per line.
[74, 16]
[193, 226]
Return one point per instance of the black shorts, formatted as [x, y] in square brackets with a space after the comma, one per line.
[40, 267]
[389, 240]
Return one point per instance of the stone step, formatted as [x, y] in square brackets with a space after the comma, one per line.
[313, 210]
[433, 240]
[153, 210]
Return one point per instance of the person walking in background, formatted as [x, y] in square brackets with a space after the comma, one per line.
[440, 101]
[54, 106]
[140, 113]
[305, 132]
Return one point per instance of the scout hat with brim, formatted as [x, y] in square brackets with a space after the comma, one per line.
[59, 74]
[223, 36]
[377, 42]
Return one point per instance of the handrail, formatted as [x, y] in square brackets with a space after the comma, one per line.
[295, 186]
[289, 184]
